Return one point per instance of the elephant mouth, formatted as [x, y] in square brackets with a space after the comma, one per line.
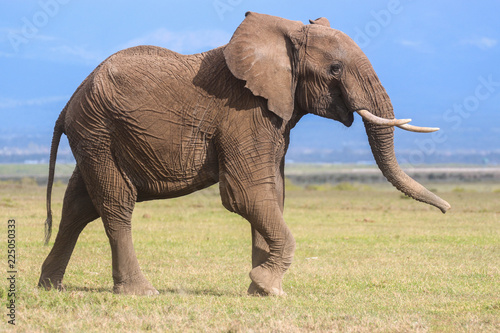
[347, 119]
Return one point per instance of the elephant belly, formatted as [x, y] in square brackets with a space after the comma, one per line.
[165, 160]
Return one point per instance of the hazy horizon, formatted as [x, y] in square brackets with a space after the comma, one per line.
[437, 60]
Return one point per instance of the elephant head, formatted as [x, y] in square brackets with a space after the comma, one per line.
[316, 69]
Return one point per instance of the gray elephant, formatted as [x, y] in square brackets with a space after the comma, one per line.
[149, 123]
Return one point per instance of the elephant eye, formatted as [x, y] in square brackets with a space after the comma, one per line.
[336, 69]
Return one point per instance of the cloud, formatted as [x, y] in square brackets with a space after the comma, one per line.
[6, 55]
[44, 47]
[9, 103]
[79, 53]
[15, 44]
[484, 43]
[416, 45]
[184, 41]
[52, 49]
[16, 39]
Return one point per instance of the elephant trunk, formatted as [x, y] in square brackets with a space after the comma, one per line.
[381, 139]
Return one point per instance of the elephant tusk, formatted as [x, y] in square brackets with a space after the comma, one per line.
[368, 116]
[401, 123]
[418, 129]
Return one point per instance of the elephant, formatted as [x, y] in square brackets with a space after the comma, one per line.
[149, 123]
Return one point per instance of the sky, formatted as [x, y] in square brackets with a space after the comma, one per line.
[438, 60]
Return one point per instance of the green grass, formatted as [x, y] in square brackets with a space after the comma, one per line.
[34, 170]
[367, 260]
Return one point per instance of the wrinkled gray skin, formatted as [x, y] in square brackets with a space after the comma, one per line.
[149, 123]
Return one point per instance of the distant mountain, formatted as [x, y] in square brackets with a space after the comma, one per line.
[314, 140]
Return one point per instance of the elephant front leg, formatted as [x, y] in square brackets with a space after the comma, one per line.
[260, 254]
[260, 248]
[267, 277]
[273, 243]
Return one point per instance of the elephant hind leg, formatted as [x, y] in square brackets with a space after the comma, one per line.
[78, 210]
[114, 197]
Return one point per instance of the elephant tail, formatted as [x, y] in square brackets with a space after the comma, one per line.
[56, 138]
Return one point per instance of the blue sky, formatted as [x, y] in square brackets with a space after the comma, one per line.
[438, 60]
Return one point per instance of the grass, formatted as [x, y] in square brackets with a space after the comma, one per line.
[367, 260]
[34, 170]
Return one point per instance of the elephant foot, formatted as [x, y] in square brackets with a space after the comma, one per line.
[51, 283]
[138, 286]
[135, 289]
[265, 283]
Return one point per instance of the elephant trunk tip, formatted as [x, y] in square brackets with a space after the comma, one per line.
[407, 185]
[444, 206]
[434, 200]
[420, 193]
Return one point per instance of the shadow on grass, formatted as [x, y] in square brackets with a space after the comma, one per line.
[70, 288]
[183, 291]
[174, 291]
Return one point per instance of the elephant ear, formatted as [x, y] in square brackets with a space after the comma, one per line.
[321, 21]
[261, 52]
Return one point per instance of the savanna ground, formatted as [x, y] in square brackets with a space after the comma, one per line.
[367, 260]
